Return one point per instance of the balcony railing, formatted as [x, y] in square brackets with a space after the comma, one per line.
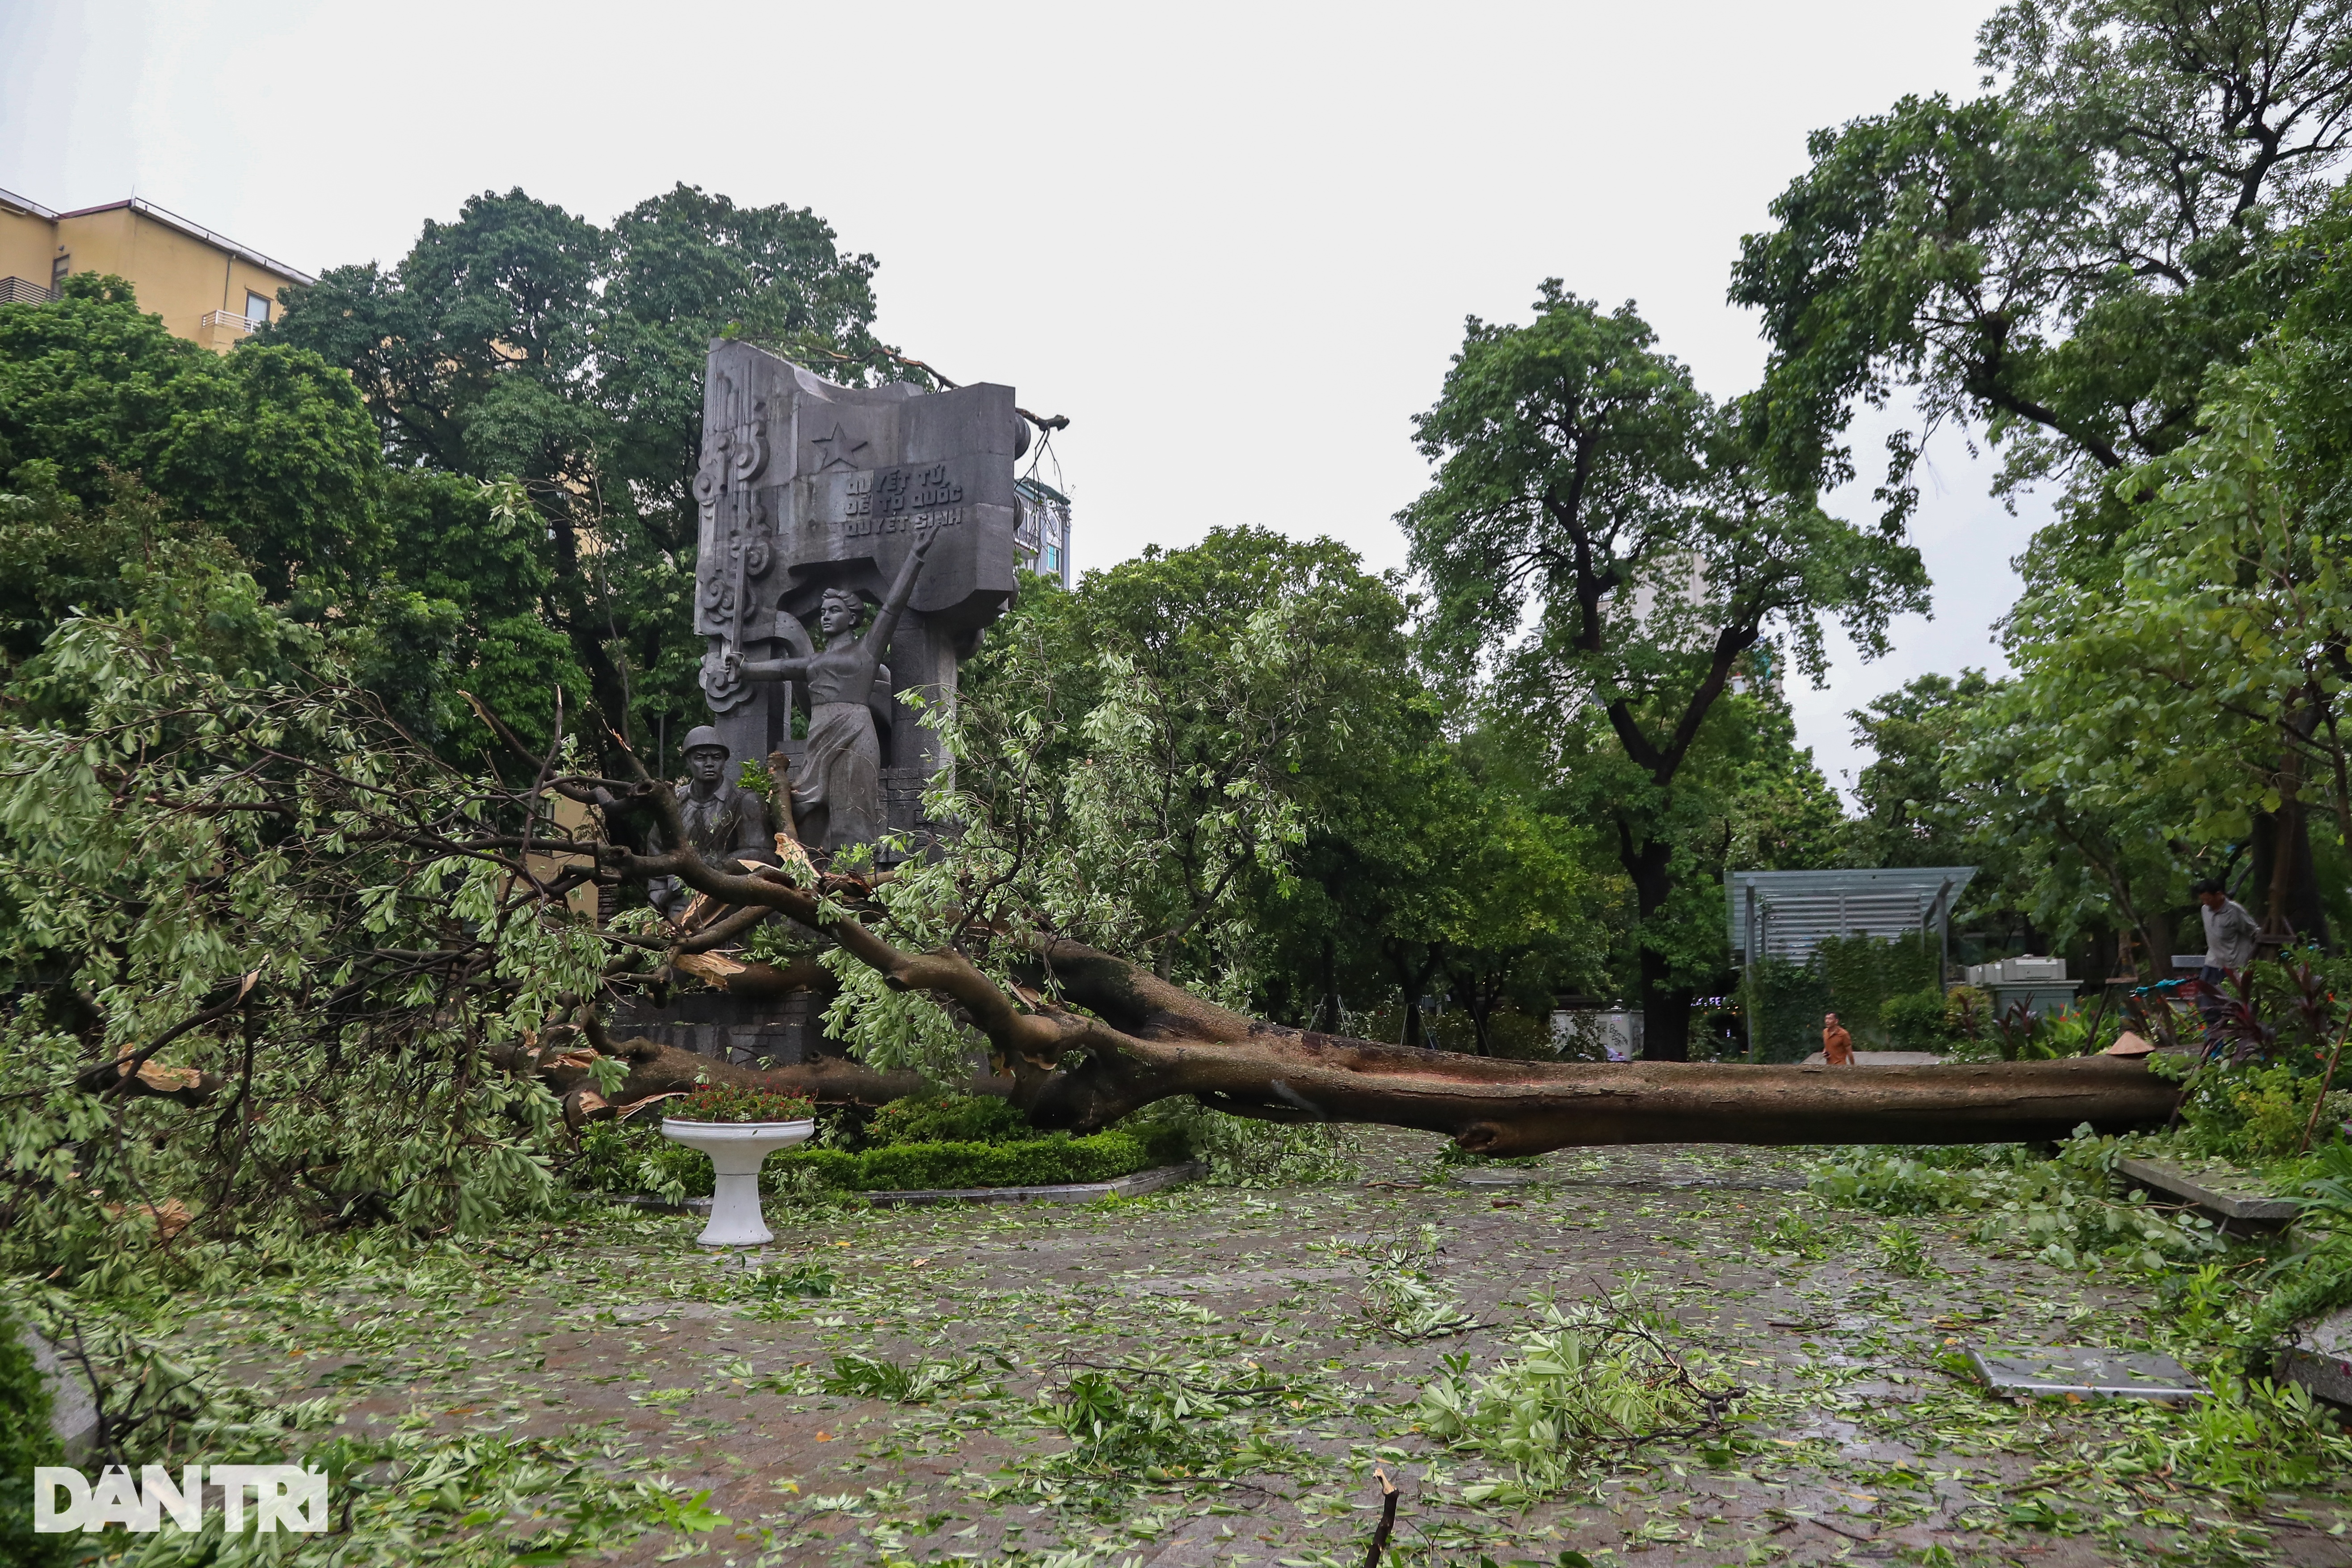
[24, 291]
[226, 320]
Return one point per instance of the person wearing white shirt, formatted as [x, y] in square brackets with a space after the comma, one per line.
[2230, 933]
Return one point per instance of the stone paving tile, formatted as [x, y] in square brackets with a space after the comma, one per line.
[1860, 1447]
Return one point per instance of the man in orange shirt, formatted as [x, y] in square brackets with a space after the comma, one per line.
[1837, 1046]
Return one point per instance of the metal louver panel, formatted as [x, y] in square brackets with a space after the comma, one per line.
[1787, 914]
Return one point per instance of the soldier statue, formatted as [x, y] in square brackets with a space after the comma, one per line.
[723, 821]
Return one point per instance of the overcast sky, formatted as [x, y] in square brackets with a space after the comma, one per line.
[1234, 243]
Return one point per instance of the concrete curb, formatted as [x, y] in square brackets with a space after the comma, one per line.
[2237, 1213]
[2321, 1358]
[1136, 1185]
[73, 1412]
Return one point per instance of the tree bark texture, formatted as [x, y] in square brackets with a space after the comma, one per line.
[2284, 869]
[1666, 1007]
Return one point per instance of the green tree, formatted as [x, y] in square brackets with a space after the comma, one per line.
[1532, 907]
[59, 555]
[1911, 813]
[1746, 797]
[524, 342]
[2092, 844]
[263, 460]
[2043, 863]
[2208, 683]
[1192, 717]
[1779, 813]
[130, 559]
[2059, 261]
[234, 872]
[268, 445]
[1599, 529]
[687, 267]
[1223, 760]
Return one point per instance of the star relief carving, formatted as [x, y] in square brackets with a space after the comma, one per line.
[837, 448]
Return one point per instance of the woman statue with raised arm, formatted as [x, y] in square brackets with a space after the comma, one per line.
[839, 796]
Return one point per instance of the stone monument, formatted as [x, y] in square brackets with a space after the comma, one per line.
[815, 493]
[818, 500]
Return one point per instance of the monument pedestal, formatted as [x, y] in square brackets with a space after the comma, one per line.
[728, 1029]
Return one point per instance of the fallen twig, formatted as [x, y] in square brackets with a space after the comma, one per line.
[1387, 1519]
[2327, 1082]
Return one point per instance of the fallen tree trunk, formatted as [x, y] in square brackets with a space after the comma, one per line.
[1506, 1108]
[1526, 1107]
[1086, 1037]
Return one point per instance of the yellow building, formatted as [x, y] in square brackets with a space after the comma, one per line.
[204, 286]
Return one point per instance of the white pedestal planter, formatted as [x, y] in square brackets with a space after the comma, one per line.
[737, 1150]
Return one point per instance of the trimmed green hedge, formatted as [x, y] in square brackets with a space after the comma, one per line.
[947, 1119]
[1033, 1162]
[1853, 977]
[637, 1158]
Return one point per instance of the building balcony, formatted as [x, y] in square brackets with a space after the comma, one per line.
[24, 291]
[220, 330]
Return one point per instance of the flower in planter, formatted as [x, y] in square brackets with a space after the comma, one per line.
[725, 1102]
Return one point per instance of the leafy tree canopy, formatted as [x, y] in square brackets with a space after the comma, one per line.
[524, 342]
[1599, 533]
[269, 445]
[1231, 754]
[2201, 695]
[1910, 815]
[2061, 260]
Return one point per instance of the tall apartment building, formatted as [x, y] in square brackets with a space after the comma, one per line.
[206, 286]
[1042, 538]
